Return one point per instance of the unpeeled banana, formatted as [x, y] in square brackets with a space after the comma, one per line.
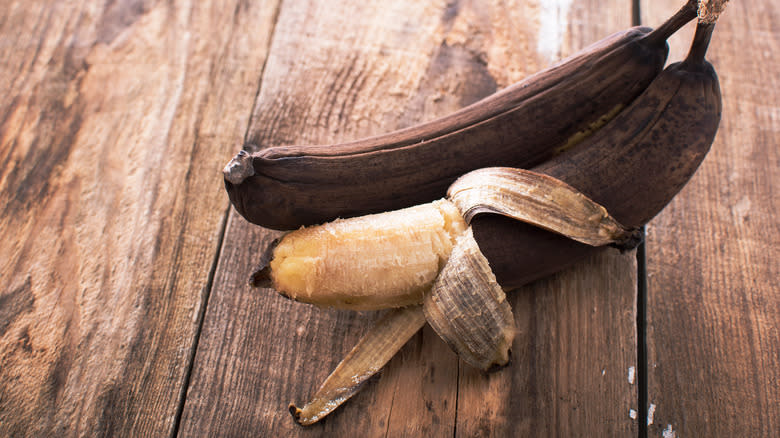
[284, 187]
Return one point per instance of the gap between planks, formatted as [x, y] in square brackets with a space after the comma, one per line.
[226, 218]
[201, 316]
[641, 301]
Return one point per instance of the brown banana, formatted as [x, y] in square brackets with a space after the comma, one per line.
[633, 167]
[523, 125]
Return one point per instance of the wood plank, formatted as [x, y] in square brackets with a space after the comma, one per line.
[713, 302]
[115, 120]
[343, 70]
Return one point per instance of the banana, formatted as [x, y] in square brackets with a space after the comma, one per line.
[285, 187]
[464, 304]
[365, 263]
[631, 168]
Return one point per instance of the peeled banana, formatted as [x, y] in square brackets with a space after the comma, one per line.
[460, 296]
[448, 262]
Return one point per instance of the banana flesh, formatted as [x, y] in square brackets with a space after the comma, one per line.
[368, 262]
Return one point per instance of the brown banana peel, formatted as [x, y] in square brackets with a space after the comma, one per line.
[284, 187]
[371, 353]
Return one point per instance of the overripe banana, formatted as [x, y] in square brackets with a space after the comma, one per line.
[464, 303]
[633, 167]
[285, 187]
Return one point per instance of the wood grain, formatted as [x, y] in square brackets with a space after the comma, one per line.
[343, 70]
[713, 302]
[114, 122]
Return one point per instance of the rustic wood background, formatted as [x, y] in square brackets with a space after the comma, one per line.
[124, 307]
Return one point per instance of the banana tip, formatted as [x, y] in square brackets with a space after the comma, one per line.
[239, 168]
[636, 237]
[296, 413]
[261, 278]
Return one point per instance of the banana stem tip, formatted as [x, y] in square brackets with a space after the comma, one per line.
[296, 413]
[239, 168]
[710, 10]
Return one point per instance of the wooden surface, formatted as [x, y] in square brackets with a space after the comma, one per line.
[713, 298]
[124, 307]
[116, 118]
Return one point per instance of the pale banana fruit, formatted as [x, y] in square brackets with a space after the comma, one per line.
[425, 254]
[368, 262]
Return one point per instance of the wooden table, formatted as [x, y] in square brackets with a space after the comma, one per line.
[124, 305]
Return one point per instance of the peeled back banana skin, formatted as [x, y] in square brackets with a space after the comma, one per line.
[285, 187]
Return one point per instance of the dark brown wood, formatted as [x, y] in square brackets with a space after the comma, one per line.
[713, 303]
[356, 70]
[114, 119]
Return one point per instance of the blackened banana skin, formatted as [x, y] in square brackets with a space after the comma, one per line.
[633, 167]
[286, 187]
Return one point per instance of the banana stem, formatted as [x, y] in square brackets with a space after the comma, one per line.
[701, 42]
[687, 13]
[708, 12]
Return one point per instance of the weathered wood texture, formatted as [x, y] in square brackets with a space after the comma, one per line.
[573, 370]
[713, 301]
[115, 120]
[339, 71]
